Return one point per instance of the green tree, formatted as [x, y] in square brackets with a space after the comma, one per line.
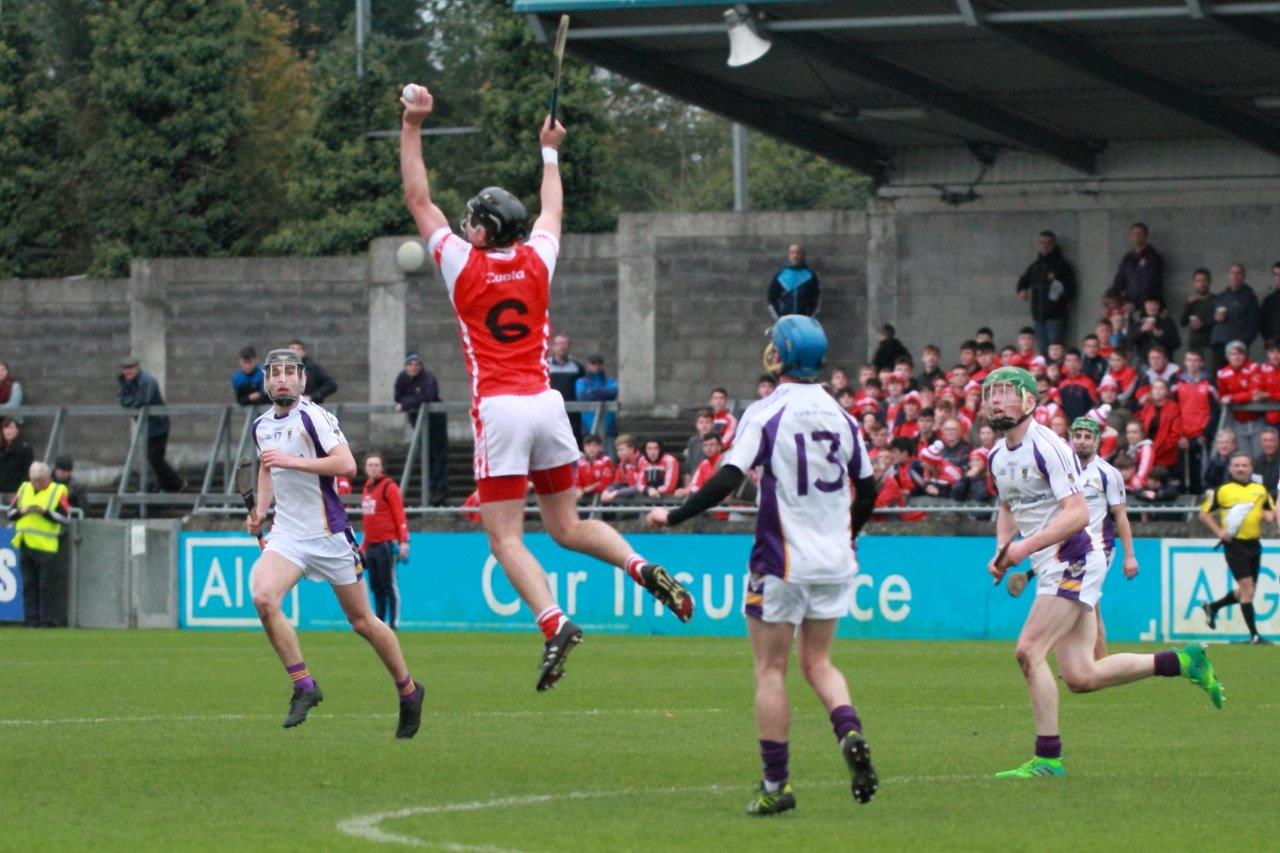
[170, 77]
[39, 223]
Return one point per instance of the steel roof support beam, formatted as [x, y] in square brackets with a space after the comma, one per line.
[767, 117]
[856, 60]
[1080, 55]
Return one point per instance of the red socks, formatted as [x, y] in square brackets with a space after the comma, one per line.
[549, 621]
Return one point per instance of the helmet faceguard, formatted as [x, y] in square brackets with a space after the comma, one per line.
[284, 377]
[1013, 391]
[1085, 448]
[499, 213]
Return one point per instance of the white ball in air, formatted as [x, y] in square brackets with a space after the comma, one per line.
[411, 257]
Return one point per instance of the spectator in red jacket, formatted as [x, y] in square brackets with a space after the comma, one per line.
[595, 469]
[906, 420]
[1122, 373]
[724, 420]
[1141, 451]
[711, 453]
[987, 360]
[1237, 384]
[889, 492]
[1269, 382]
[1197, 398]
[1162, 420]
[659, 471]
[386, 537]
[939, 475]
[1076, 391]
[626, 476]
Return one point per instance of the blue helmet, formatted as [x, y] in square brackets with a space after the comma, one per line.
[799, 346]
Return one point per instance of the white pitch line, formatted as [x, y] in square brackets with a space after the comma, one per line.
[189, 718]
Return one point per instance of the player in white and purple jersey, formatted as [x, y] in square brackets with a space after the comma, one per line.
[1041, 500]
[809, 451]
[1104, 495]
[302, 451]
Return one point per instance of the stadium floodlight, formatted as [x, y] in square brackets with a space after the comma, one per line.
[745, 44]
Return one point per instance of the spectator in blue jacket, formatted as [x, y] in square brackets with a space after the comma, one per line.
[795, 288]
[136, 389]
[594, 386]
[248, 381]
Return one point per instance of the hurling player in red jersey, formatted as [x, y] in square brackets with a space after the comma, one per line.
[500, 286]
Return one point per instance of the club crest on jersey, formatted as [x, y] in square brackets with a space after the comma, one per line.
[1024, 473]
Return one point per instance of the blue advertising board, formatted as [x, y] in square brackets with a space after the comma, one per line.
[10, 580]
[907, 587]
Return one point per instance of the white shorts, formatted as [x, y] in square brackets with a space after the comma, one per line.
[1080, 582]
[772, 599]
[331, 558]
[519, 433]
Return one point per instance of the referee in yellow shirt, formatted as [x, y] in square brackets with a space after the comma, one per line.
[1235, 512]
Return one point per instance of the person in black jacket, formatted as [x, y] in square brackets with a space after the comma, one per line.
[416, 386]
[889, 350]
[1049, 284]
[564, 371]
[135, 389]
[1269, 322]
[1141, 272]
[795, 288]
[319, 383]
[15, 458]
[1197, 314]
[1152, 326]
[1235, 316]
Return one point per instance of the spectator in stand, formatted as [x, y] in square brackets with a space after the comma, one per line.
[1268, 382]
[1141, 272]
[946, 410]
[1049, 284]
[565, 371]
[1198, 400]
[1122, 374]
[1160, 487]
[901, 455]
[889, 492]
[1049, 402]
[984, 335]
[839, 379]
[1060, 425]
[77, 494]
[712, 450]
[1143, 453]
[1269, 319]
[247, 381]
[10, 389]
[320, 385]
[845, 398]
[892, 402]
[765, 386]
[1076, 391]
[1237, 382]
[1158, 367]
[1108, 437]
[135, 389]
[969, 356]
[929, 369]
[1267, 463]
[595, 470]
[903, 368]
[927, 433]
[415, 387]
[1197, 314]
[659, 471]
[1235, 314]
[626, 475]
[725, 423]
[1161, 419]
[1055, 354]
[596, 386]
[1219, 461]
[889, 348]
[987, 361]
[1092, 363]
[1152, 327]
[703, 425]
[906, 421]
[795, 288]
[1107, 337]
[1025, 355]
[975, 485]
[953, 447]
[15, 458]
[938, 475]
[386, 538]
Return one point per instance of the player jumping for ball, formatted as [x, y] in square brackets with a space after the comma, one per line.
[302, 451]
[803, 562]
[500, 288]
[1039, 483]
[1104, 495]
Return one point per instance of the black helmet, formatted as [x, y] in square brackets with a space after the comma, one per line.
[500, 214]
[283, 356]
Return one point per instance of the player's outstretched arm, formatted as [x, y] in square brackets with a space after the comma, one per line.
[552, 194]
[719, 487]
[413, 172]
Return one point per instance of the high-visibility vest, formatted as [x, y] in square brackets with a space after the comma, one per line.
[35, 531]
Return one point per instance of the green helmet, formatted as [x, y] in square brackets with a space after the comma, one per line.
[1015, 376]
[1086, 423]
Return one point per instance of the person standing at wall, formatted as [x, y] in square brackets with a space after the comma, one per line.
[137, 389]
[386, 538]
[1049, 284]
[38, 510]
[795, 288]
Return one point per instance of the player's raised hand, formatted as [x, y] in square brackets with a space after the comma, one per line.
[278, 459]
[656, 518]
[420, 107]
[1130, 566]
[551, 136]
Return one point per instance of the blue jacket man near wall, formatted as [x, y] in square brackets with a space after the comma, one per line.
[247, 381]
[795, 288]
[137, 388]
[594, 386]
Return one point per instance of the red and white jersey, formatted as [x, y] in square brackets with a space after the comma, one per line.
[725, 423]
[663, 475]
[1237, 386]
[594, 474]
[501, 299]
[1268, 379]
[706, 469]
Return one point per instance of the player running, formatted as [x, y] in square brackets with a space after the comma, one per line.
[302, 450]
[1104, 496]
[1234, 512]
[803, 562]
[1039, 482]
[500, 288]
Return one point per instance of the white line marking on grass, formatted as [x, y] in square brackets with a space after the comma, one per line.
[319, 716]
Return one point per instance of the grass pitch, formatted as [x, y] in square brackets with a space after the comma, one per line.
[172, 740]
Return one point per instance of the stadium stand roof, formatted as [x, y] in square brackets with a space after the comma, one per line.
[858, 80]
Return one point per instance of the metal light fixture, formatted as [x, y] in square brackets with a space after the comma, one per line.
[745, 44]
